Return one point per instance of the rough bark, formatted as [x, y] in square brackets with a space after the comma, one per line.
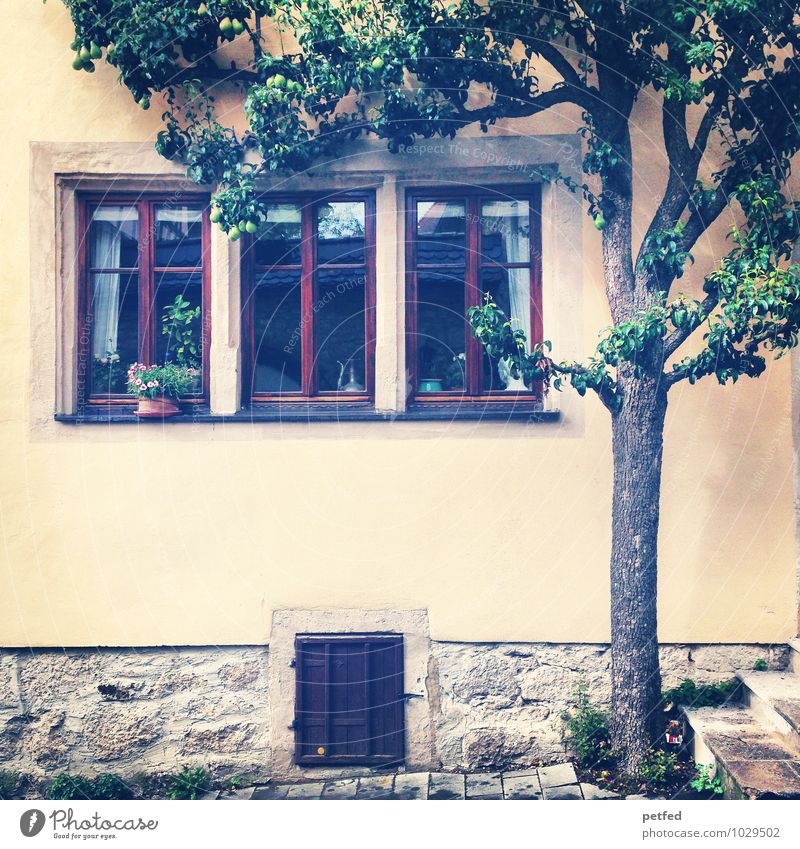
[638, 433]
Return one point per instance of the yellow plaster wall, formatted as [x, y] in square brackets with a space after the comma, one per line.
[162, 537]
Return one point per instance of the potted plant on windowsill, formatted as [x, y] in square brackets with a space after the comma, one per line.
[156, 388]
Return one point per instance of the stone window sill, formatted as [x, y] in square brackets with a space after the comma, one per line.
[531, 413]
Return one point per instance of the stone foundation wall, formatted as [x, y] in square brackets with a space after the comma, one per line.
[135, 710]
[131, 711]
[500, 705]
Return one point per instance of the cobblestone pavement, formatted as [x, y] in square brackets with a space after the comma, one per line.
[549, 782]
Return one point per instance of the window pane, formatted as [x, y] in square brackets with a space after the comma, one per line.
[280, 237]
[340, 330]
[115, 330]
[505, 231]
[177, 320]
[511, 290]
[340, 232]
[441, 332]
[277, 331]
[179, 237]
[114, 237]
[441, 232]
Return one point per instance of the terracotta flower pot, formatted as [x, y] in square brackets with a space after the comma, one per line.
[159, 407]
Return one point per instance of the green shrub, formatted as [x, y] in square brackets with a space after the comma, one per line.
[587, 733]
[659, 767]
[705, 782]
[761, 665]
[103, 787]
[188, 784]
[706, 695]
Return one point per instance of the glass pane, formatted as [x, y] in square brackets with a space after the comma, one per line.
[441, 232]
[505, 231]
[114, 237]
[281, 236]
[511, 290]
[441, 332]
[115, 330]
[276, 332]
[340, 330]
[179, 237]
[340, 232]
[177, 324]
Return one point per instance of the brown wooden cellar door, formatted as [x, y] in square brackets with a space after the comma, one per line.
[350, 707]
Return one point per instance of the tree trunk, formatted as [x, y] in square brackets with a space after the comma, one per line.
[638, 433]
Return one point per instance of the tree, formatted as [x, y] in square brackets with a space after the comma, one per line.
[398, 69]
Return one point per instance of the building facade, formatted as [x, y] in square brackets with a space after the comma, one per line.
[360, 543]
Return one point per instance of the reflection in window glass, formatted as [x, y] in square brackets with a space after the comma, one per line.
[505, 231]
[510, 289]
[179, 237]
[341, 232]
[277, 332]
[177, 314]
[281, 236]
[441, 332]
[115, 330]
[114, 237]
[340, 330]
[441, 232]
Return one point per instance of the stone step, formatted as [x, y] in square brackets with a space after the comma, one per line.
[794, 659]
[774, 699]
[753, 761]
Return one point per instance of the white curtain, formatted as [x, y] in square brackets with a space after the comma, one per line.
[514, 230]
[106, 245]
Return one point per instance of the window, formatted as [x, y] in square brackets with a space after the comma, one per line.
[142, 256]
[349, 699]
[461, 245]
[309, 312]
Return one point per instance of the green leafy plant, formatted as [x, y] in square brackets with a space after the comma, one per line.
[587, 733]
[108, 373]
[689, 694]
[761, 665]
[659, 767]
[187, 784]
[170, 379]
[707, 781]
[105, 786]
[178, 323]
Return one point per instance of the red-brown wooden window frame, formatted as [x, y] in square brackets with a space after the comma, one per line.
[308, 201]
[472, 197]
[147, 270]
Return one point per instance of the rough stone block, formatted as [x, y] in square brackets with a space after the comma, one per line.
[558, 775]
[592, 791]
[411, 785]
[446, 785]
[375, 787]
[306, 791]
[567, 791]
[483, 786]
[343, 789]
[523, 785]
[271, 791]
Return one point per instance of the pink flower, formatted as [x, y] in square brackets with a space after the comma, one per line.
[155, 383]
[138, 382]
[150, 384]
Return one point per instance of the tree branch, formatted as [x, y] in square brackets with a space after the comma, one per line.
[518, 108]
[678, 336]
